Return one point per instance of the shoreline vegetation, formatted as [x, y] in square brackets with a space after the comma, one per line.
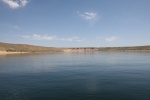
[7, 48]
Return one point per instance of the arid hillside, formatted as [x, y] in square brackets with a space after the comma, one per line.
[26, 48]
[30, 48]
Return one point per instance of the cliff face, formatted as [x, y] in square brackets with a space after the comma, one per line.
[80, 49]
[136, 48]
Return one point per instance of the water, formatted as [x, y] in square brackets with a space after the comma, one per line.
[77, 76]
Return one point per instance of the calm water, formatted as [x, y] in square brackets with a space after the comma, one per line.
[78, 76]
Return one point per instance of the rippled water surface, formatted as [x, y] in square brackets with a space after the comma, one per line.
[76, 76]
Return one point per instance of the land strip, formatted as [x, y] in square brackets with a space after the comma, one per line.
[7, 48]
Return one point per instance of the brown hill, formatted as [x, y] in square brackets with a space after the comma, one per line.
[30, 48]
[26, 48]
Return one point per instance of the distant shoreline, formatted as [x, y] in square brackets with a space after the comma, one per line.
[5, 52]
[70, 51]
[7, 48]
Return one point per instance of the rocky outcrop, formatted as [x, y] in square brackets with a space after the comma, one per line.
[80, 49]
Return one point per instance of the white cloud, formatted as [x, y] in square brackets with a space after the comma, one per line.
[25, 36]
[11, 3]
[40, 37]
[73, 39]
[14, 4]
[111, 39]
[108, 39]
[48, 37]
[90, 16]
[24, 2]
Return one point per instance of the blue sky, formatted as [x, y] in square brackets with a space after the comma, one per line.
[75, 23]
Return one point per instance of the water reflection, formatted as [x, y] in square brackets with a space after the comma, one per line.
[92, 83]
[78, 76]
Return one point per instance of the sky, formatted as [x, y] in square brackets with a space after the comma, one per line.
[75, 23]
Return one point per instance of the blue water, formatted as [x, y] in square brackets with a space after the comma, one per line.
[76, 76]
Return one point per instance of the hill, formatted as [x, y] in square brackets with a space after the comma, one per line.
[6, 47]
[26, 48]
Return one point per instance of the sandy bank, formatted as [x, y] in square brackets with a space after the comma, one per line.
[5, 52]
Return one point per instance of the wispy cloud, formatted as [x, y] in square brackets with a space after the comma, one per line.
[51, 37]
[14, 4]
[12, 26]
[39, 37]
[108, 39]
[24, 2]
[90, 16]
[111, 39]
[71, 39]
[100, 37]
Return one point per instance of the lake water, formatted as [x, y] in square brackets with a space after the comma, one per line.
[76, 76]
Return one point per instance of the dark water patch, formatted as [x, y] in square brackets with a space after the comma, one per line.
[90, 76]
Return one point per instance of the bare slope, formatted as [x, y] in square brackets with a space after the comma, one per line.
[30, 48]
[26, 48]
